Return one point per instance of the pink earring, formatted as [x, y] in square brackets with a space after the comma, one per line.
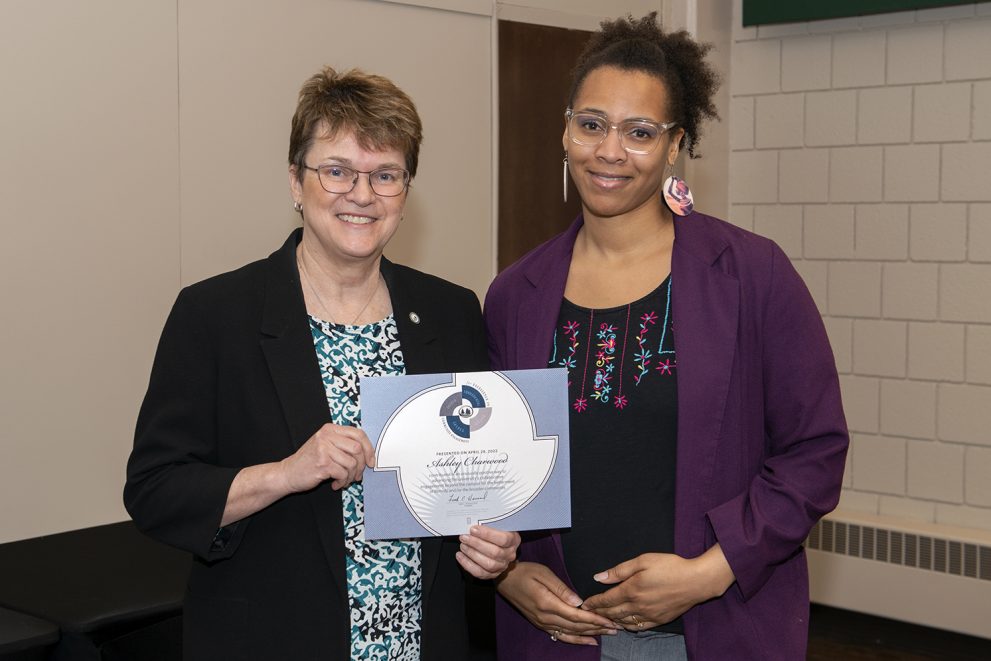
[678, 196]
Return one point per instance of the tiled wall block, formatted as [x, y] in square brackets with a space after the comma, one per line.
[855, 289]
[831, 118]
[935, 471]
[855, 174]
[964, 292]
[881, 231]
[829, 231]
[977, 468]
[858, 59]
[880, 347]
[936, 351]
[978, 355]
[968, 49]
[910, 54]
[942, 112]
[879, 463]
[861, 403]
[979, 232]
[780, 120]
[805, 63]
[756, 67]
[911, 173]
[963, 516]
[742, 215]
[804, 175]
[965, 171]
[908, 409]
[884, 115]
[964, 414]
[754, 177]
[909, 291]
[938, 232]
[741, 117]
[907, 508]
[782, 224]
[981, 125]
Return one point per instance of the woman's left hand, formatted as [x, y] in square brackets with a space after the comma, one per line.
[655, 588]
[486, 552]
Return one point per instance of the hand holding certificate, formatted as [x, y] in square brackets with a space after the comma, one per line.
[453, 450]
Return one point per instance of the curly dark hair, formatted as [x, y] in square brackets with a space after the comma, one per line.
[639, 44]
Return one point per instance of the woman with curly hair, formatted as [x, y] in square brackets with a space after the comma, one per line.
[707, 433]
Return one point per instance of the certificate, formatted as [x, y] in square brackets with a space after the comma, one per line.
[453, 450]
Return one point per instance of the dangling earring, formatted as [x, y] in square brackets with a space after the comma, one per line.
[297, 206]
[565, 176]
[677, 196]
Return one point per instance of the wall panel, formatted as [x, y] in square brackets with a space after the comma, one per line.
[89, 249]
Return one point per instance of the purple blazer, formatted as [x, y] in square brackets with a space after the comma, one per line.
[761, 433]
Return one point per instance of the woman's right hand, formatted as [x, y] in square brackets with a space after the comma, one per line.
[550, 605]
[334, 453]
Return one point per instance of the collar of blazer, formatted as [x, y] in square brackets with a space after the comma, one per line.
[287, 344]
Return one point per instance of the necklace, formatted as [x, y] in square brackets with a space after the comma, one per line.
[326, 310]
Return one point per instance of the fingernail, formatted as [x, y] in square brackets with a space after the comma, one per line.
[575, 601]
[601, 576]
[463, 538]
[474, 530]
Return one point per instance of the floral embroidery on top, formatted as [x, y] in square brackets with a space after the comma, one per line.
[643, 356]
[604, 362]
[571, 332]
[608, 353]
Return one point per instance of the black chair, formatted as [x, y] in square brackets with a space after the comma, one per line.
[25, 638]
[114, 593]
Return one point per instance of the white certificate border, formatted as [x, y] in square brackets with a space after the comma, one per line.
[534, 437]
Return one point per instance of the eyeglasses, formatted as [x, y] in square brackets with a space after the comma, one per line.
[386, 182]
[637, 136]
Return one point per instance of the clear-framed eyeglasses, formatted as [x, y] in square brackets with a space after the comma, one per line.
[638, 136]
[386, 182]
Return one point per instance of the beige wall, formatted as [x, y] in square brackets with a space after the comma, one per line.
[89, 219]
[143, 147]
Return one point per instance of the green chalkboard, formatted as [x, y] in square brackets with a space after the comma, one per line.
[762, 12]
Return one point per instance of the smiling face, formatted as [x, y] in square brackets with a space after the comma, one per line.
[347, 227]
[613, 182]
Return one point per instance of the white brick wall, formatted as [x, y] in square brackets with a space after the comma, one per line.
[863, 147]
[938, 232]
[881, 232]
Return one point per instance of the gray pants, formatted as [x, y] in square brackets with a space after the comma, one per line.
[643, 646]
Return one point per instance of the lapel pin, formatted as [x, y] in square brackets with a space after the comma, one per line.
[414, 317]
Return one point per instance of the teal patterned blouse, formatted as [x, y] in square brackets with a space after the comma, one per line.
[384, 577]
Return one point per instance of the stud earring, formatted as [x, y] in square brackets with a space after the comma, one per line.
[677, 196]
[297, 206]
[565, 176]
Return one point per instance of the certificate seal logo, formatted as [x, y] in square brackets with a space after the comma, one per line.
[465, 412]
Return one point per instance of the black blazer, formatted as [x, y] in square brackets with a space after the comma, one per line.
[235, 383]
